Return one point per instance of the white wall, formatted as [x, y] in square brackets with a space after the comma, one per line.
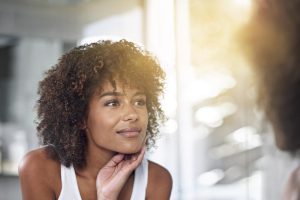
[127, 25]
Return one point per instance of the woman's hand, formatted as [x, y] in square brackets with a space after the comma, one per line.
[112, 177]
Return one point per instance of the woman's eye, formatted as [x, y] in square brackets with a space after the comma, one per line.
[140, 102]
[112, 103]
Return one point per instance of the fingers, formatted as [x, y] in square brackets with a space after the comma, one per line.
[139, 157]
[115, 160]
[113, 175]
[135, 159]
[127, 160]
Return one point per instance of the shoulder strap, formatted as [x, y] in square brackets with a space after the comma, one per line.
[69, 187]
[140, 181]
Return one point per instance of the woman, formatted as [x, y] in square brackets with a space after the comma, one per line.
[272, 42]
[98, 110]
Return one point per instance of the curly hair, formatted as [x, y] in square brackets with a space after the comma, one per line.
[68, 86]
[271, 41]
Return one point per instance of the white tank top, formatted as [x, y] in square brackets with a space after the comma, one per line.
[70, 190]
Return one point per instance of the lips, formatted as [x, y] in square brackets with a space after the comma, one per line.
[129, 132]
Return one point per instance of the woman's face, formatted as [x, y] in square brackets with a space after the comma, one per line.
[117, 119]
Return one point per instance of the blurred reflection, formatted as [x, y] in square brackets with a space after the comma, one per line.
[211, 84]
[210, 178]
[228, 138]
[213, 116]
[277, 77]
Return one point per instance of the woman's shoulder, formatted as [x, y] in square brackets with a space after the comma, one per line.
[158, 172]
[293, 184]
[38, 160]
[38, 167]
[159, 182]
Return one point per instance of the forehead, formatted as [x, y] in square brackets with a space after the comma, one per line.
[118, 86]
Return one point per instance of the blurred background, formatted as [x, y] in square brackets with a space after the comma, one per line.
[216, 143]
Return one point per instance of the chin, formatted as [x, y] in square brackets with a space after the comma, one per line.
[131, 149]
[281, 145]
[280, 140]
[285, 144]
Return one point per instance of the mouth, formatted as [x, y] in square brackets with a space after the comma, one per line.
[129, 132]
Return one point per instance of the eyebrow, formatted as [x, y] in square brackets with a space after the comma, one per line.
[113, 93]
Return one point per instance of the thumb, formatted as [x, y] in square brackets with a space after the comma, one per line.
[115, 160]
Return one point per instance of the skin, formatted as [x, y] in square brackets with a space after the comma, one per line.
[292, 187]
[116, 129]
[113, 115]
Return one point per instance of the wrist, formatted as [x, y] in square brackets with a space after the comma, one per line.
[101, 196]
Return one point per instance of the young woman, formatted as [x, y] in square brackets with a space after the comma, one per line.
[271, 40]
[97, 113]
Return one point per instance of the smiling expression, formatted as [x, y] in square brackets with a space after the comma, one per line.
[117, 119]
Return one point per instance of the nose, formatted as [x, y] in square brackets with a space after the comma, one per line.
[130, 114]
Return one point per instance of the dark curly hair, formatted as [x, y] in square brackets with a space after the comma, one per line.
[68, 86]
[272, 42]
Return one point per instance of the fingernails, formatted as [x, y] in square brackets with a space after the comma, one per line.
[134, 157]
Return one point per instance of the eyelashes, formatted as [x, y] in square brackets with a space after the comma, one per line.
[115, 102]
[140, 102]
[112, 103]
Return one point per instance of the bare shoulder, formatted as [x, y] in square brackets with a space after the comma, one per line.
[292, 190]
[159, 182]
[37, 161]
[39, 174]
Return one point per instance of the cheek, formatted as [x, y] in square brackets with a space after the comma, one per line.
[98, 121]
[145, 118]
[104, 123]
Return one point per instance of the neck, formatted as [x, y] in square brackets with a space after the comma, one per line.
[96, 158]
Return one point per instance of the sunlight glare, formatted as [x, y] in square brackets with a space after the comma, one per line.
[243, 3]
